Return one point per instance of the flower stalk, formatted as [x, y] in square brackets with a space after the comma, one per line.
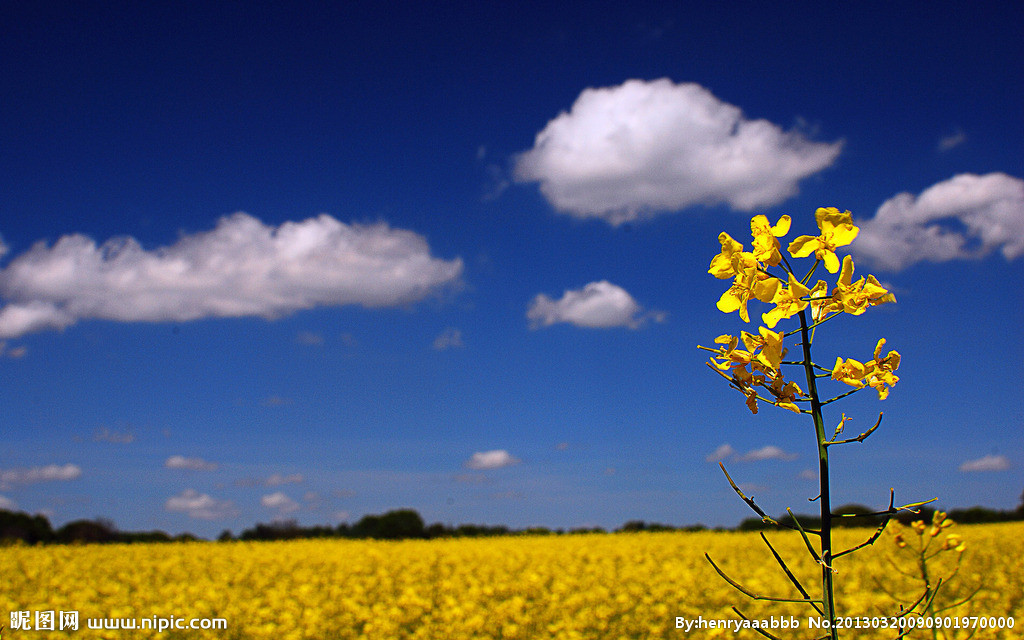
[756, 370]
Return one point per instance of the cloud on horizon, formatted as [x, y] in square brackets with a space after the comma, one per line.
[200, 506]
[242, 267]
[598, 305]
[986, 463]
[966, 217]
[51, 472]
[642, 148]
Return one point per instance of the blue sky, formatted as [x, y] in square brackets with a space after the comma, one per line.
[314, 262]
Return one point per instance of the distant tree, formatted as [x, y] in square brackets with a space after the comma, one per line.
[21, 526]
[225, 536]
[98, 530]
[393, 525]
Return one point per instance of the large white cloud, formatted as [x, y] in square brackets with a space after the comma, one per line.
[200, 505]
[967, 216]
[642, 148]
[597, 305]
[242, 267]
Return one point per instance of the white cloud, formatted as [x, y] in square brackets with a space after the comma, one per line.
[309, 338]
[597, 305]
[721, 453]
[450, 338]
[241, 268]
[769, 452]
[278, 479]
[952, 140]
[965, 217]
[194, 464]
[6, 503]
[986, 463]
[200, 505]
[32, 475]
[280, 502]
[491, 459]
[644, 147]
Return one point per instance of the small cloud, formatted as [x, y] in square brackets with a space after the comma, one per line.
[721, 453]
[279, 502]
[7, 504]
[200, 506]
[598, 305]
[309, 338]
[808, 474]
[103, 434]
[193, 464]
[491, 460]
[32, 475]
[342, 516]
[450, 339]
[769, 452]
[986, 463]
[278, 479]
[964, 218]
[953, 140]
[343, 493]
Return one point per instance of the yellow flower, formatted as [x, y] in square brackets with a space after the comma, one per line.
[788, 302]
[766, 243]
[750, 282]
[877, 373]
[785, 393]
[850, 371]
[733, 260]
[855, 297]
[837, 230]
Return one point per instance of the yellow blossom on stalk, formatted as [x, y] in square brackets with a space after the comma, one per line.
[766, 243]
[821, 303]
[788, 302]
[750, 283]
[855, 297]
[877, 373]
[733, 260]
[849, 371]
[785, 393]
[880, 375]
[837, 230]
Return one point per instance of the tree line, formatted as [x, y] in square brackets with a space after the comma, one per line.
[403, 524]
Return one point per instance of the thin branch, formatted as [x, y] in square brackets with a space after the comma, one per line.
[751, 594]
[750, 501]
[803, 534]
[861, 438]
[881, 527]
[790, 575]
[842, 395]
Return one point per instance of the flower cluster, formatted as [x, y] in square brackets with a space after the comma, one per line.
[759, 364]
[877, 374]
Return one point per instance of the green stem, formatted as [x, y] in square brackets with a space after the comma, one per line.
[827, 587]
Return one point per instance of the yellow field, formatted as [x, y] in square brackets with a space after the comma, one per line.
[586, 586]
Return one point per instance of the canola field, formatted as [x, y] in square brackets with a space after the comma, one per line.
[559, 587]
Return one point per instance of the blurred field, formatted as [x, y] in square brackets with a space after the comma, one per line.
[574, 586]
